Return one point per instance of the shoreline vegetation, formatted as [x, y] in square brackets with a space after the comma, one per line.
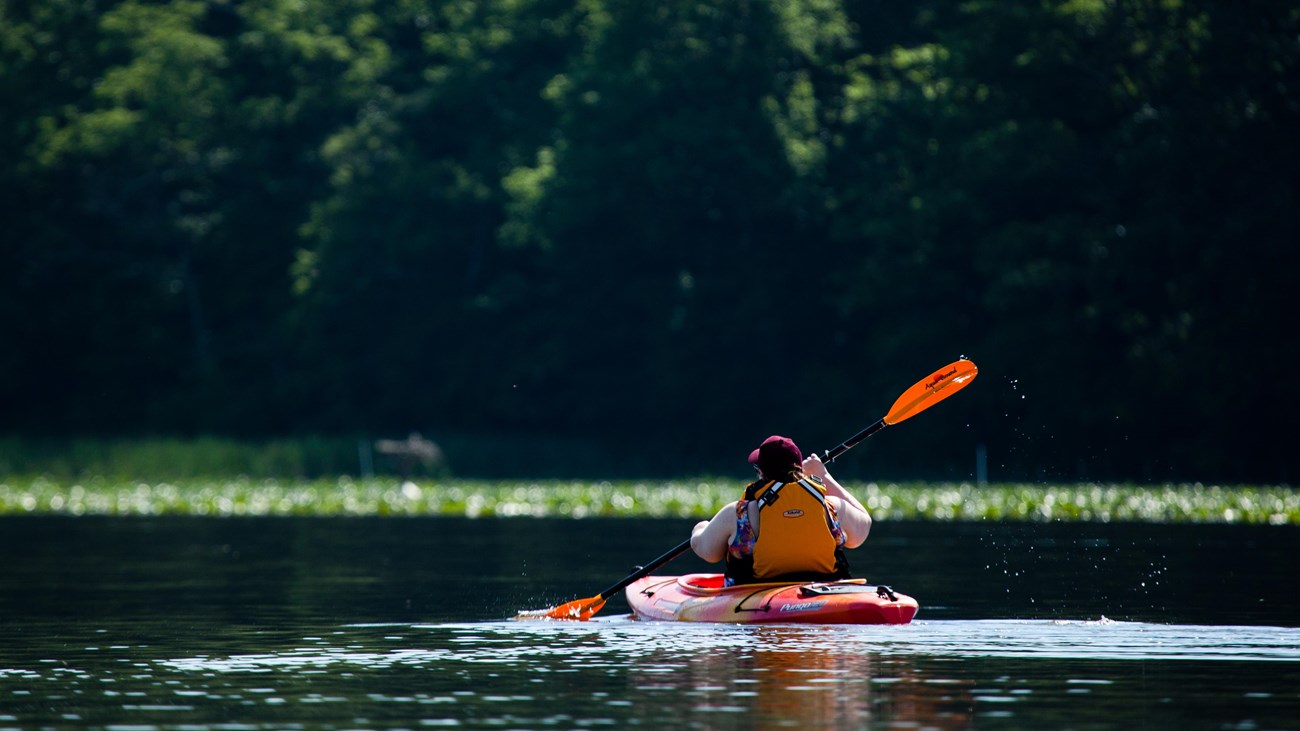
[266, 218]
[211, 476]
[387, 496]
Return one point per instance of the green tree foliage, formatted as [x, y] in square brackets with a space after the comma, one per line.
[665, 210]
[50, 56]
[402, 287]
[669, 224]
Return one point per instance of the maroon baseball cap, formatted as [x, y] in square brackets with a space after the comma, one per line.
[777, 457]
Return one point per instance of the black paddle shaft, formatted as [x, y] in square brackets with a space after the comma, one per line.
[645, 570]
[851, 442]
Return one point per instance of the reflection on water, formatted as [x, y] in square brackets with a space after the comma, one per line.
[620, 672]
[273, 624]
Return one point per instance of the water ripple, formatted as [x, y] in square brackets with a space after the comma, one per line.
[615, 641]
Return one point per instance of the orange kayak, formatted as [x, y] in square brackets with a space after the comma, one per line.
[703, 598]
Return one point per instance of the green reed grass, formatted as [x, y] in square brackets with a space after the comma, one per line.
[698, 498]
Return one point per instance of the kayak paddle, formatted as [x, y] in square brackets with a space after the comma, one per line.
[922, 395]
[583, 609]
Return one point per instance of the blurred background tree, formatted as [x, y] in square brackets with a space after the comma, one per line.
[658, 232]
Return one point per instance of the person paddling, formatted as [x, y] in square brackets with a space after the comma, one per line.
[793, 522]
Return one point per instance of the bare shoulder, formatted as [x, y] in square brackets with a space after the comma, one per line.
[855, 521]
[710, 539]
[845, 506]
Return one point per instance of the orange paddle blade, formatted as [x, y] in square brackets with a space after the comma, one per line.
[578, 609]
[931, 390]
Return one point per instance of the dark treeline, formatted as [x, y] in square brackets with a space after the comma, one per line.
[670, 228]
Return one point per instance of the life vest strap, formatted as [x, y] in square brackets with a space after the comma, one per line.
[821, 496]
[770, 495]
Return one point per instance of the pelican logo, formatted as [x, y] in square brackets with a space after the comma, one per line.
[795, 513]
[939, 378]
[803, 606]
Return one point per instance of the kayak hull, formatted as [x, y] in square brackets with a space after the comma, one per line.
[702, 598]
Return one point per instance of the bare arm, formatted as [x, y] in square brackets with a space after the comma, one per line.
[710, 538]
[854, 518]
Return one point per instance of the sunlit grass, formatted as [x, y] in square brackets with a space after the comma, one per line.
[681, 498]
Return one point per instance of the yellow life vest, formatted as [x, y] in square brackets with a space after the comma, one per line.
[794, 533]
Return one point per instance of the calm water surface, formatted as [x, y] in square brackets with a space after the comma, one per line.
[180, 623]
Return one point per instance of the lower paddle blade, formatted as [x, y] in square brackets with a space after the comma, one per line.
[931, 390]
[578, 609]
